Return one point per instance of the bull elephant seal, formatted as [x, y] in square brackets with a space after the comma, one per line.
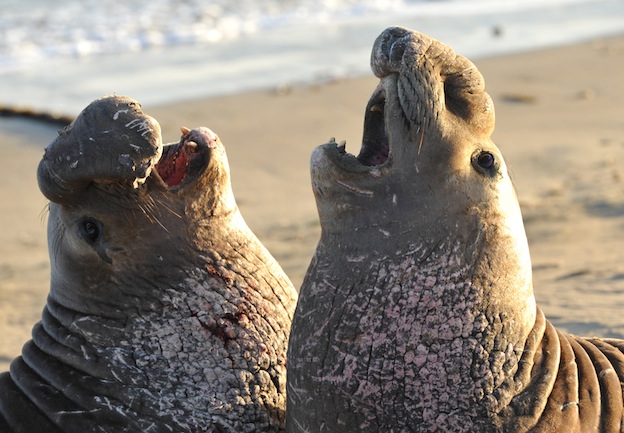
[417, 312]
[165, 313]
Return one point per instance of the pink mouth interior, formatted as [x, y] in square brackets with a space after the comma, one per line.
[173, 166]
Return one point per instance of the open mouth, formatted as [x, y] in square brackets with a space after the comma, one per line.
[375, 148]
[182, 161]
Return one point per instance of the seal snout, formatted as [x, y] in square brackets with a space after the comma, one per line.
[111, 141]
[388, 50]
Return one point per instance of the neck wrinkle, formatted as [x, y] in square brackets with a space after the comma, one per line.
[58, 336]
[518, 409]
[416, 313]
[80, 387]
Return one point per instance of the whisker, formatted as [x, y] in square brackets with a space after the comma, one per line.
[152, 217]
[147, 214]
[164, 205]
[149, 203]
[44, 212]
[160, 224]
[55, 242]
[422, 135]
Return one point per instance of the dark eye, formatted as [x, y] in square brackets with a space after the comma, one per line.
[90, 230]
[485, 160]
[485, 163]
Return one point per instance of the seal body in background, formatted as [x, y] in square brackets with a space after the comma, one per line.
[165, 312]
[417, 311]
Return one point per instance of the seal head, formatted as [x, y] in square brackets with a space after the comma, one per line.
[165, 312]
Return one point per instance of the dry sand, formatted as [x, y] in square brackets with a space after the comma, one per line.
[560, 124]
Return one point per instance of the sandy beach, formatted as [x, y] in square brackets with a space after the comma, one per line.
[560, 125]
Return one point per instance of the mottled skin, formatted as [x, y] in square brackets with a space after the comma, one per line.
[165, 313]
[417, 313]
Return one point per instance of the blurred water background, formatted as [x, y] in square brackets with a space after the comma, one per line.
[59, 55]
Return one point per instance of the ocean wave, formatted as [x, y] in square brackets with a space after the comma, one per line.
[60, 55]
[35, 30]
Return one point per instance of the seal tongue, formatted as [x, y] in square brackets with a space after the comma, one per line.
[375, 146]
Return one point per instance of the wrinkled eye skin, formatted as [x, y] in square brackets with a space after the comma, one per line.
[91, 230]
[485, 163]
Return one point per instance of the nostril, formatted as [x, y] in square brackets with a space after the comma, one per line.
[388, 50]
[394, 42]
[397, 49]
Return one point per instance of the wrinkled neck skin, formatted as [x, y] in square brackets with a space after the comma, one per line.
[425, 317]
[414, 312]
[172, 318]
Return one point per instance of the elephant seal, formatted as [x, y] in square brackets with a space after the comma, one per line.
[165, 312]
[417, 311]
